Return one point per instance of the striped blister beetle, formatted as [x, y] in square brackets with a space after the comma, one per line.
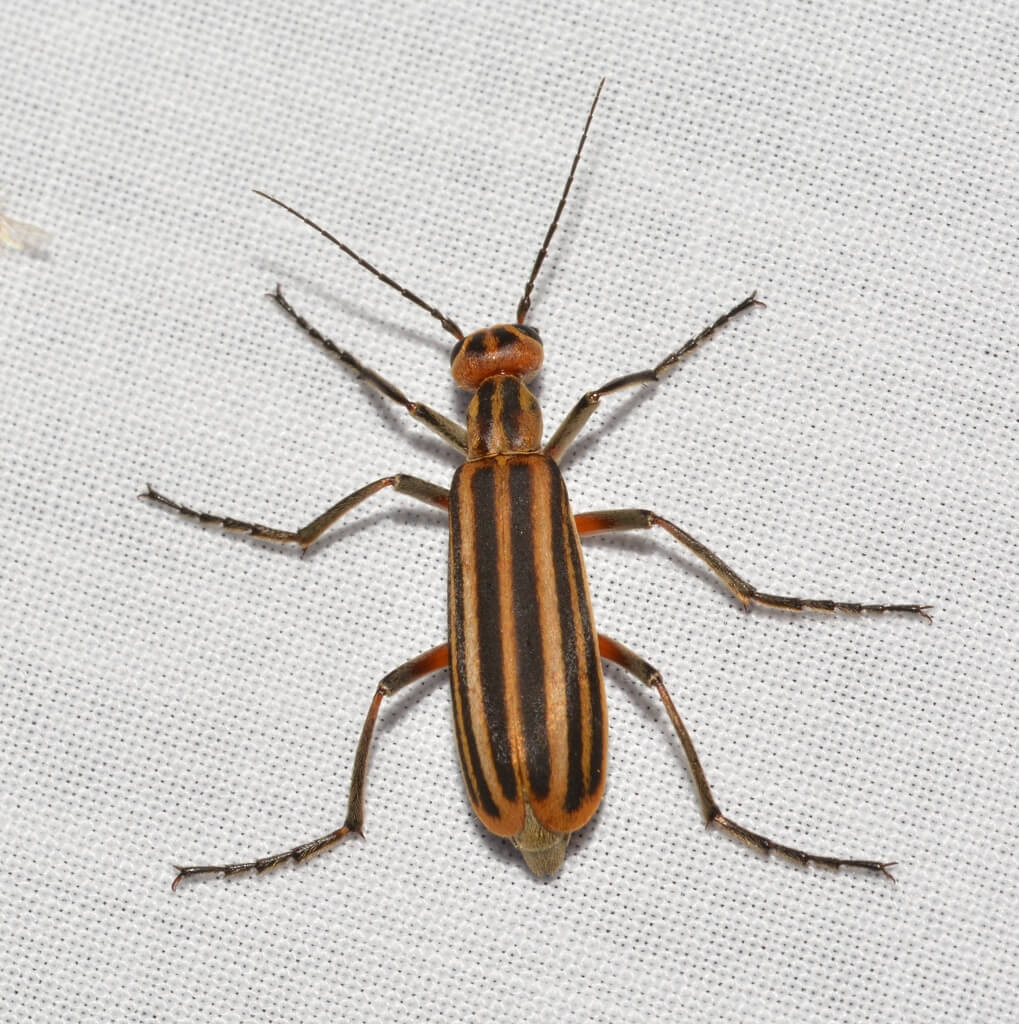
[523, 652]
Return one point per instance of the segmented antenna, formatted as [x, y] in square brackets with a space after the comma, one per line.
[447, 323]
[525, 302]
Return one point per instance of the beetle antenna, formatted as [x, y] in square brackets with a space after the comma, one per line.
[447, 323]
[525, 302]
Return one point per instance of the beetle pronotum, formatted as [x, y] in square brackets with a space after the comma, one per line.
[523, 653]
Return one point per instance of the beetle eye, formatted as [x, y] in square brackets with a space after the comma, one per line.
[531, 332]
[456, 351]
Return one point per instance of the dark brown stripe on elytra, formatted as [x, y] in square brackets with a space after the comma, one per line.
[489, 620]
[594, 683]
[530, 656]
[568, 630]
[477, 786]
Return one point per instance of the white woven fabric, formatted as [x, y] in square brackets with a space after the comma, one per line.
[173, 694]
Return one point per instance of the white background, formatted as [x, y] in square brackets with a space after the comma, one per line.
[174, 694]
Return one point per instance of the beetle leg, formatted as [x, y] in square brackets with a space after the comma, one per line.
[614, 651]
[582, 411]
[450, 432]
[409, 672]
[430, 494]
[618, 520]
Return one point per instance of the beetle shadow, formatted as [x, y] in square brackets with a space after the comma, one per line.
[645, 544]
[567, 231]
[350, 311]
[498, 847]
[392, 717]
[650, 541]
[593, 435]
[337, 534]
[411, 517]
[330, 297]
[653, 714]
[397, 707]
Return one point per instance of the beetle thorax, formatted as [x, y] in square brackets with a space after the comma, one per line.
[503, 419]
